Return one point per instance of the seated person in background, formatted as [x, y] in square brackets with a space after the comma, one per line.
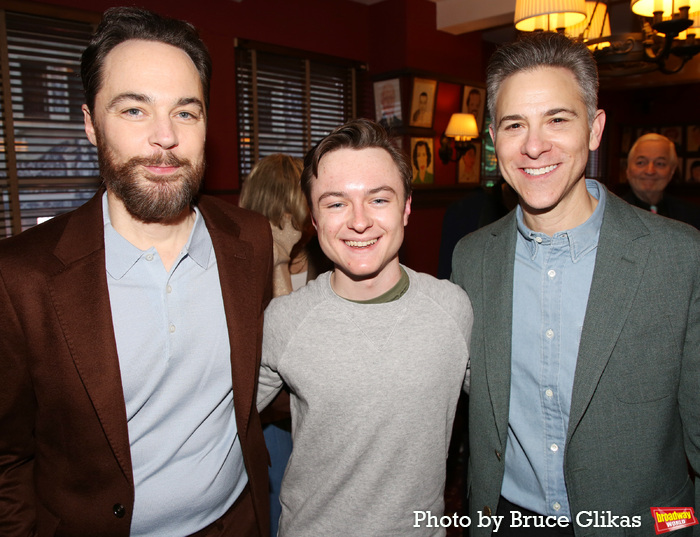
[374, 354]
[650, 167]
[272, 189]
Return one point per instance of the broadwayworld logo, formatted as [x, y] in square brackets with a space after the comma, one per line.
[672, 518]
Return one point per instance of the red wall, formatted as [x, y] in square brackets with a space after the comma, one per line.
[393, 35]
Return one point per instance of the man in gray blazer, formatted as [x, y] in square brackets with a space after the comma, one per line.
[585, 369]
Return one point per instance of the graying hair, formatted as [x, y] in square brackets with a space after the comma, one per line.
[544, 49]
[653, 137]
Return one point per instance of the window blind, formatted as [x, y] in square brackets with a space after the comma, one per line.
[287, 103]
[47, 166]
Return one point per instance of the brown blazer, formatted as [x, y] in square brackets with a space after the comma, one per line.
[65, 461]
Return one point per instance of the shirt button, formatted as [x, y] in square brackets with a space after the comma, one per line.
[172, 328]
[556, 506]
[549, 333]
[169, 289]
[149, 257]
[552, 273]
[538, 240]
[554, 448]
[549, 392]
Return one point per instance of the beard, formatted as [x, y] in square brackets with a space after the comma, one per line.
[148, 197]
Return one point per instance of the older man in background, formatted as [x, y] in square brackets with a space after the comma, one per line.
[651, 164]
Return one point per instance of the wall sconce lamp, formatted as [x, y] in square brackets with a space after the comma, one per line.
[462, 127]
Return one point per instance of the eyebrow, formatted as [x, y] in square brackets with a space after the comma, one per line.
[342, 194]
[549, 113]
[147, 99]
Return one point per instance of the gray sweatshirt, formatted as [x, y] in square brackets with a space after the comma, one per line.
[373, 394]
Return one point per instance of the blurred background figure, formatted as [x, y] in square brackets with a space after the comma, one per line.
[651, 163]
[272, 188]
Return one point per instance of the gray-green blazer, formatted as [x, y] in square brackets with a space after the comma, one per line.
[635, 409]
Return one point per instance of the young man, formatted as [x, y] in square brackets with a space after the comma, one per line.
[651, 162]
[131, 326]
[374, 354]
[585, 366]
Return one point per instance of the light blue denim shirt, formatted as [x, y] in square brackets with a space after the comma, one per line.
[175, 364]
[552, 280]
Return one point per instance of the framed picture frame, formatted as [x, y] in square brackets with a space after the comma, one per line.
[422, 161]
[675, 134]
[423, 103]
[387, 103]
[474, 102]
[692, 138]
[469, 165]
[692, 171]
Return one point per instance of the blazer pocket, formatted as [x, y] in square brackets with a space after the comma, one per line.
[645, 364]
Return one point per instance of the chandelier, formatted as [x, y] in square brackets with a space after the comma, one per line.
[667, 40]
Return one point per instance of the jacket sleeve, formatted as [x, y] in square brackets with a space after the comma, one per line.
[689, 388]
[17, 410]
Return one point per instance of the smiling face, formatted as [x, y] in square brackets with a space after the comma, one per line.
[149, 125]
[359, 212]
[542, 139]
[650, 169]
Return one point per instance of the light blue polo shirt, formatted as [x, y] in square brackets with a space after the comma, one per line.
[175, 363]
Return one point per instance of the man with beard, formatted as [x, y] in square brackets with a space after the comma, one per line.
[131, 327]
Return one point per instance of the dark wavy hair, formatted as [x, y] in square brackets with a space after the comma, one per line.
[120, 24]
[355, 134]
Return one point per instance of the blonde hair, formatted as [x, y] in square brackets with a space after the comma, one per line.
[273, 189]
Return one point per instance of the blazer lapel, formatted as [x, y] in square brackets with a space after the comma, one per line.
[497, 269]
[620, 262]
[81, 299]
[243, 312]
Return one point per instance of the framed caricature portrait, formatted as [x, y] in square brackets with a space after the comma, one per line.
[469, 166]
[692, 173]
[387, 103]
[474, 102]
[422, 102]
[422, 161]
[692, 138]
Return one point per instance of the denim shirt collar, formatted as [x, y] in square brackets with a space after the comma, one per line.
[581, 239]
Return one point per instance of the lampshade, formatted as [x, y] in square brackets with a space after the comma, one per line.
[646, 8]
[531, 15]
[597, 16]
[462, 127]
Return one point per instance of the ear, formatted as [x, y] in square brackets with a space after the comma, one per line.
[596, 130]
[407, 211]
[313, 220]
[89, 125]
[492, 133]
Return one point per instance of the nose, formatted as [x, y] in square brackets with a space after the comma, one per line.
[359, 220]
[163, 134]
[535, 143]
[650, 168]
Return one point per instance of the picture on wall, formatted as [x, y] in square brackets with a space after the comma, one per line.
[469, 166]
[387, 103]
[692, 174]
[474, 102]
[422, 160]
[692, 144]
[423, 102]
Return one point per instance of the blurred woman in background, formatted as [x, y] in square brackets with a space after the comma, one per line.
[272, 188]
